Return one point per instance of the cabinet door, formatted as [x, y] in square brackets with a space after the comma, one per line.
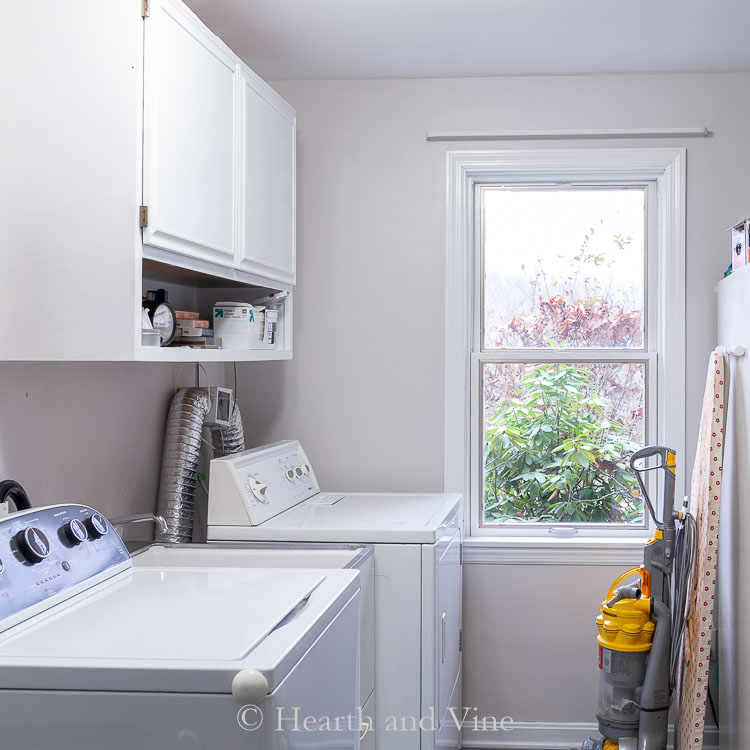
[189, 136]
[267, 244]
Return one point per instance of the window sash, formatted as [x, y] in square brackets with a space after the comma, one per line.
[650, 250]
[540, 529]
[646, 354]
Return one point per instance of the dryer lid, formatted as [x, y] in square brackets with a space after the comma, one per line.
[366, 518]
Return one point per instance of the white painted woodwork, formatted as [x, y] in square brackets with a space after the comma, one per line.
[267, 183]
[128, 111]
[189, 145]
[465, 170]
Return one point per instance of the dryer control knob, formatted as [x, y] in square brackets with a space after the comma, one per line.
[259, 490]
[250, 686]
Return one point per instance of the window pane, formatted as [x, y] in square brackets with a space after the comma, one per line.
[557, 439]
[563, 267]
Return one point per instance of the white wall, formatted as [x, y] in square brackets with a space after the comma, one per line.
[365, 389]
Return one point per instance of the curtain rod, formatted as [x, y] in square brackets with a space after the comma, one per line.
[532, 135]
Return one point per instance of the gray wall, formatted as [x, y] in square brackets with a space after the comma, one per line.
[88, 432]
[364, 392]
[84, 432]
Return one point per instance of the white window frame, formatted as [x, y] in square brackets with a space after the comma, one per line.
[467, 171]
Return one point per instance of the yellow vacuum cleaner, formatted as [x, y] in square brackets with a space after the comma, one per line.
[642, 621]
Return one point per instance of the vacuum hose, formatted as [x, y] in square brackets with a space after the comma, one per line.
[656, 695]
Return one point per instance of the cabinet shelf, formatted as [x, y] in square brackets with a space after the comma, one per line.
[181, 354]
[200, 291]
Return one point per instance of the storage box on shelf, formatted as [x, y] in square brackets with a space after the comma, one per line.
[148, 157]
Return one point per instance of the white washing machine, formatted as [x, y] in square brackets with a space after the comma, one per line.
[271, 494]
[289, 555]
[96, 653]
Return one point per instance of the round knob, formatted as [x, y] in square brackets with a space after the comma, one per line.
[96, 525]
[290, 474]
[250, 686]
[33, 544]
[75, 532]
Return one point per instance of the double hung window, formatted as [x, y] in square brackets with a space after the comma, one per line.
[573, 274]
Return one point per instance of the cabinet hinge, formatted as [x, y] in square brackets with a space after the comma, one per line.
[145, 9]
[144, 216]
[461, 640]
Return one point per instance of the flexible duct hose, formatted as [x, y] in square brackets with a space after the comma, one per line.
[179, 467]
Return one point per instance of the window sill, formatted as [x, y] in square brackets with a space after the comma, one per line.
[545, 551]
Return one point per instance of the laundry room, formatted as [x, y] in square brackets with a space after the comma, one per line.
[398, 395]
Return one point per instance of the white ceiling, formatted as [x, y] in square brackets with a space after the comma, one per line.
[306, 39]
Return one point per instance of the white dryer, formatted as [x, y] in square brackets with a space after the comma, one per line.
[271, 494]
[95, 653]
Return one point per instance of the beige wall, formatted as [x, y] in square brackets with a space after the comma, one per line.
[364, 392]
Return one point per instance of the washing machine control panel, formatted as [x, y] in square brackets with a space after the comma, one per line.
[46, 552]
[258, 484]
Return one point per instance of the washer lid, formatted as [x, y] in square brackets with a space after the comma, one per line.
[191, 615]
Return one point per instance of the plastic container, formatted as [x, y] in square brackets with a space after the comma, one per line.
[621, 676]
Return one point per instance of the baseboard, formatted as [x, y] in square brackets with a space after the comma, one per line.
[533, 735]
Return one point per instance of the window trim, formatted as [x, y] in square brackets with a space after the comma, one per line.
[466, 170]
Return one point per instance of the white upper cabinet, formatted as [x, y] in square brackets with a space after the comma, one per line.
[267, 201]
[189, 157]
[124, 106]
[219, 152]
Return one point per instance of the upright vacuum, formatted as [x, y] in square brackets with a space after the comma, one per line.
[642, 622]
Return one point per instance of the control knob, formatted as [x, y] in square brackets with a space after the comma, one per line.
[96, 525]
[258, 489]
[33, 544]
[75, 532]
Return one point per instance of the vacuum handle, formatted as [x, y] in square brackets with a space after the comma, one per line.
[667, 462]
[649, 452]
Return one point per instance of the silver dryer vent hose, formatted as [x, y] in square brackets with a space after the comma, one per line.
[179, 465]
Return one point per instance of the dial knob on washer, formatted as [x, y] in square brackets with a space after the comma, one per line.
[96, 525]
[75, 532]
[33, 544]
